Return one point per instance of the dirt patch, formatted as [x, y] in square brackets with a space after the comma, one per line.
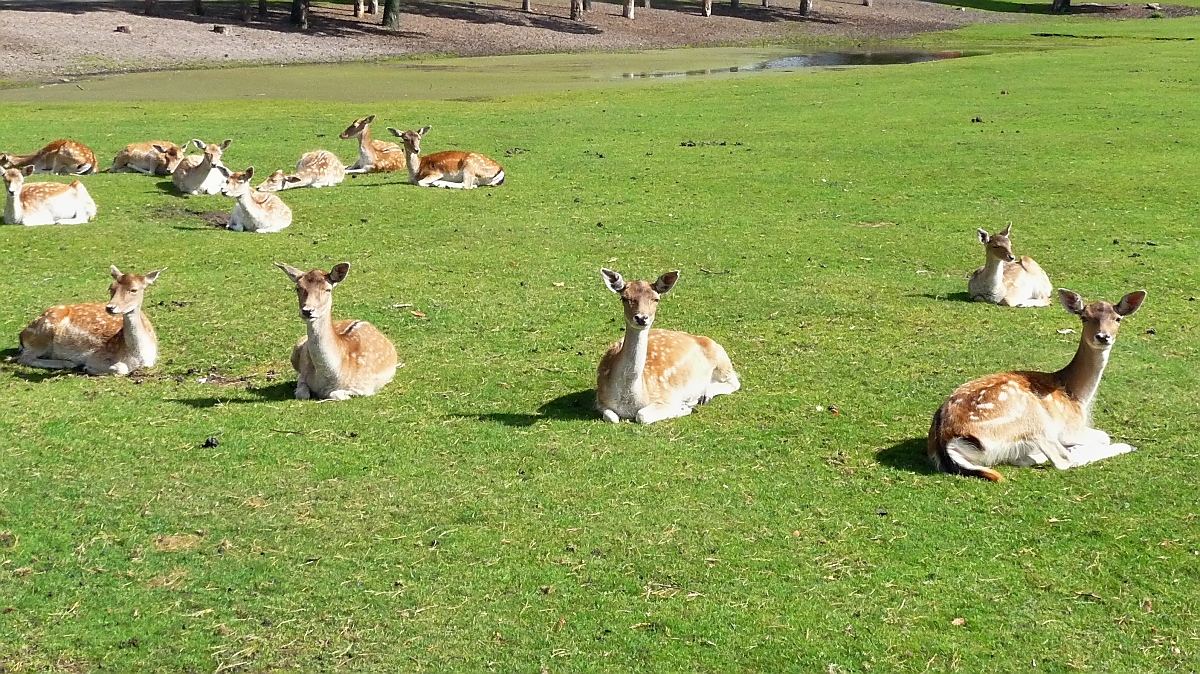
[169, 581]
[176, 542]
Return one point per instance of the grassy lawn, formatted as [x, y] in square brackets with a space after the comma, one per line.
[476, 516]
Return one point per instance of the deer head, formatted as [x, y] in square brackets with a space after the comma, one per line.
[639, 298]
[212, 152]
[237, 183]
[411, 139]
[125, 294]
[315, 288]
[1101, 320]
[275, 182]
[356, 129]
[998, 244]
[13, 180]
[172, 155]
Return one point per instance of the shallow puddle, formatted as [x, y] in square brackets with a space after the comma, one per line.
[452, 78]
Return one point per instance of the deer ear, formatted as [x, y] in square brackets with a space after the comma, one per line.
[983, 236]
[665, 282]
[225, 145]
[249, 173]
[1071, 301]
[159, 148]
[1130, 303]
[1006, 230]
[368, 119]
[423, 130]
[395, 131]
[291, 271]
[613, 280]
[338, 273]
[153, 276]
[29, 170]
[116, 273]
[290, 179]
[200, 145]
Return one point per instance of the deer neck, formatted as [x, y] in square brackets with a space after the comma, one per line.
[631, 364]
[1081, 377]
[141, 344]
[993, 272]
[366, 150]
[14, 210]
[323, 346]
[413, 162]
[247, 201]
[23, 160]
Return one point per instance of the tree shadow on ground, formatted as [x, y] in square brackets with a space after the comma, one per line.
[254, 394]
[750, 11]
[1028, 8]
[498, 14]
[577, 406]
[908, 455]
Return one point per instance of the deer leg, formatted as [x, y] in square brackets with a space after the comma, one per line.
[49, 363]
[652, 413]
[340, 394]
[610, 416]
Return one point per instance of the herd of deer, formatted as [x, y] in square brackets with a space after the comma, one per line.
[1016, 418]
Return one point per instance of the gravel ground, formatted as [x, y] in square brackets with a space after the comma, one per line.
[40, 41]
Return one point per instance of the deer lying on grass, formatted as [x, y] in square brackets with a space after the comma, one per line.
[1005, 281]
[61, 156]
[462, 170]
[652, 375]
[315, 169]
[1027, 418]
[374, 156]
[201, 174]
[336, 359]
[152, 158]
[116, 338]
[255, 211]
[45, 203]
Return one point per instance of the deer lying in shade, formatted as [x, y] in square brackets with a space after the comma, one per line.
[454, 169]
[114, 338]
[152, 158]
[336, 359]
[60, 156]
[652, 375]
[45, 203]
[1005, 280]
[1027, 418]
[320, 168]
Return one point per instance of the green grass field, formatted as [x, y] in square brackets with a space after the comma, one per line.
[477, 516]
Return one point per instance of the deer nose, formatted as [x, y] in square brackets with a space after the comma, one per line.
[306, 313]
[1104, 338]
[111, 308]
[641, 319]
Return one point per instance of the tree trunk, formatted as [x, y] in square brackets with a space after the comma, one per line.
[526, 5]
[866, 3]
[766, 3]
[358, 8]
[577, 10]
[373, 7]
[1060, 7]
[151, 7]
[391, 14]
[262, 9]
[706, 8]
[247, 11]
[644, 3]
[627, 9]
[587, 5]
[300, 14]
[805, 7]
[198, 7]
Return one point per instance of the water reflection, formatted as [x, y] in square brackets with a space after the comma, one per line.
[821, 60]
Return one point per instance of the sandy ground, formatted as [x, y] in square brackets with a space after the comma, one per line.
[40, 41]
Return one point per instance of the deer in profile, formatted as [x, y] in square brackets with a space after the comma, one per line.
[461, 170]
[320, 168]
[255, 211]
[114, 338]
[652, 375]
[202, 173]
[1027, 418]
[1004, 279]
[374, 156]
[152, 158]
[336, 359]
[45, 203]
[62, 156]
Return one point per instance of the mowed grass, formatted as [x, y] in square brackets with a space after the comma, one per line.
[476, 515]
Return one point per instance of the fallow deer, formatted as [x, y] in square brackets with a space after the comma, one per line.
[152, 158]
[202, 174]
[45, 203]
[320, 168]
[1006, 281]
[116, 338]
[652, 375]
[255, 211]
[336, 359]
[461, 170]
[1027, 418]
[374, 156]
[61, 156]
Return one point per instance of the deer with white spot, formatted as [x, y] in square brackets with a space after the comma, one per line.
[45, 203]
[336, 359]
[61, 156]
[152, 158]
[1006, 281]
[452, 168]
[652, 375]
[116, 338]
[1027, 418]
[255, 211]
[319, 168]
[374, 156]
[202, 173]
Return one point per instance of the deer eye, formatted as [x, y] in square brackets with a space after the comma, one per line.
[1119, 318]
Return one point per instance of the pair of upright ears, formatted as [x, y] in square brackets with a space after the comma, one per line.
[335, 275]
[1129, 304]
[616, 284]
[984, 237]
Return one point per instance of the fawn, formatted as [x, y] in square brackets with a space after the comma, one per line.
[255, 211]
[374, 156]
[202, 174]
[461, 170]
[45, 203]
[1006, 281]
[320, 168]
[60, 156]
[152, 158]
